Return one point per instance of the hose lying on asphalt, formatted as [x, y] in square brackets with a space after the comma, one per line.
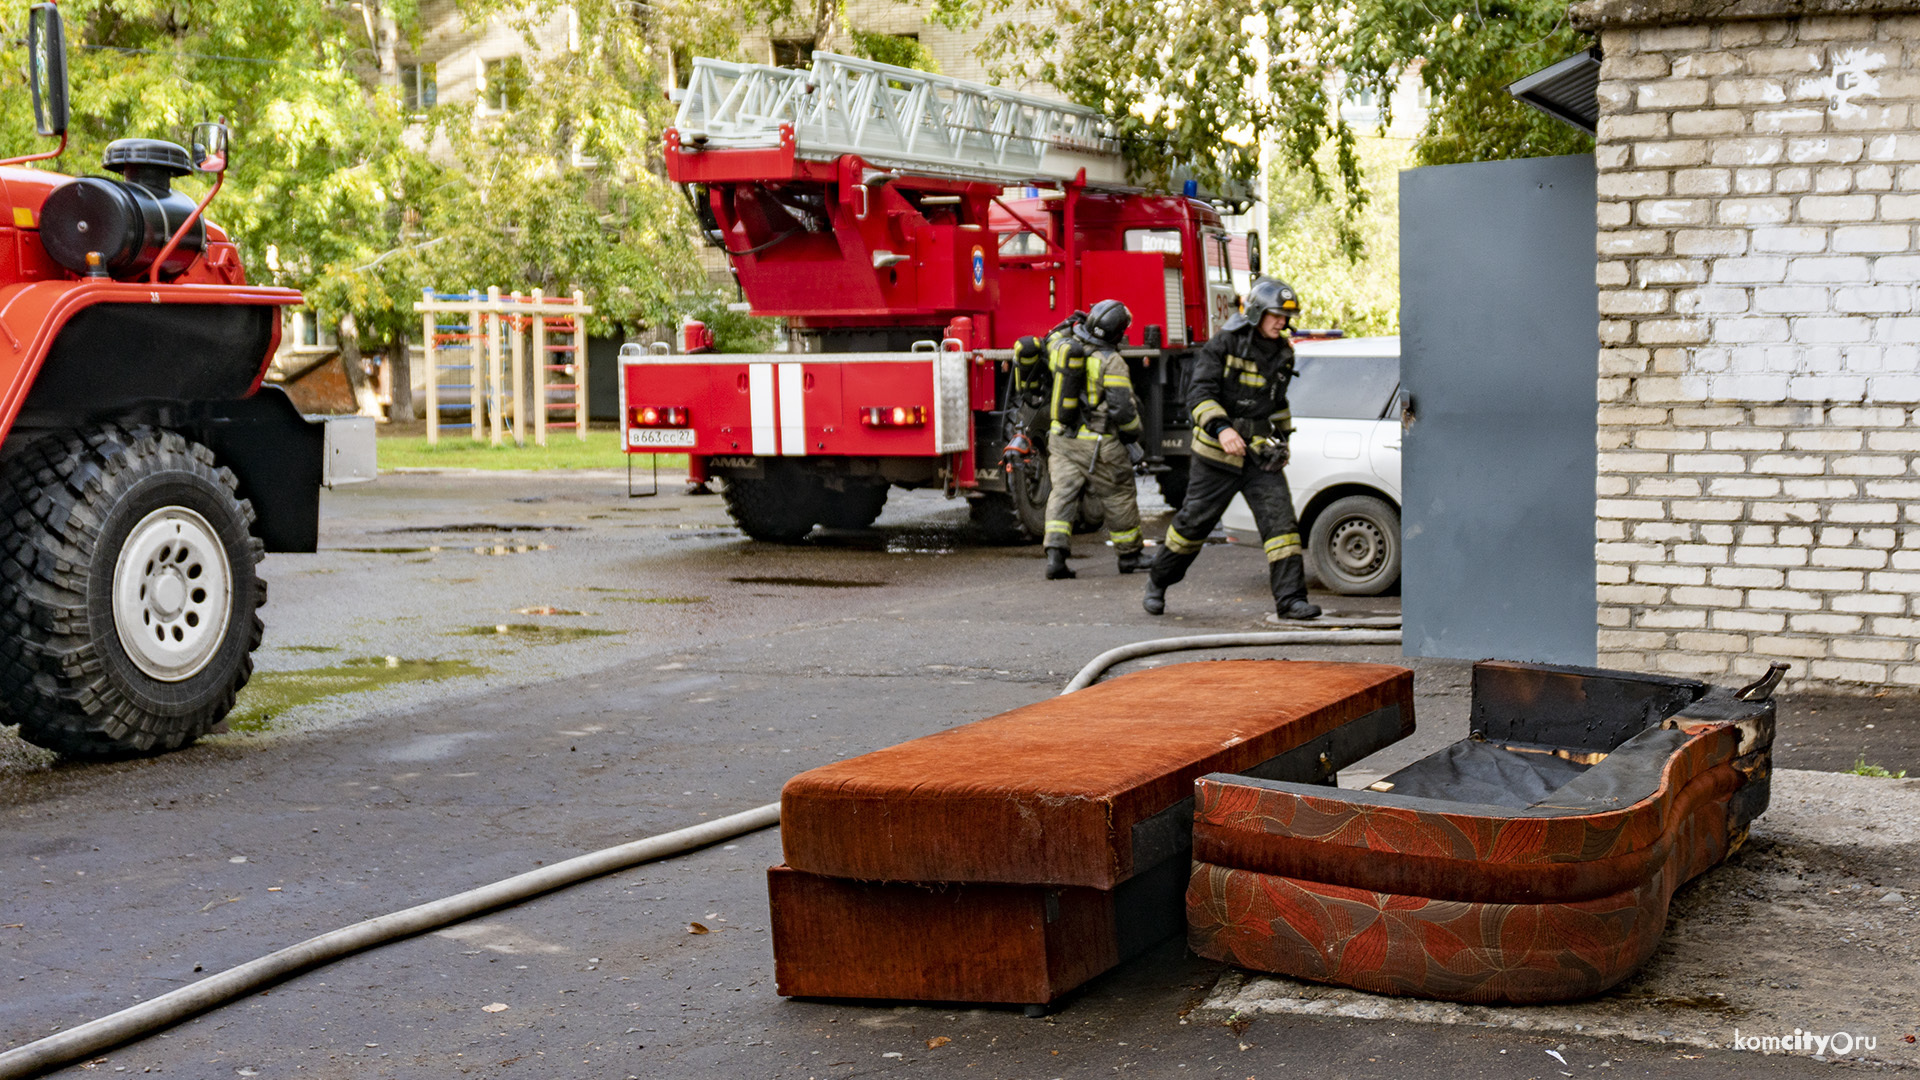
[171, 1008]
[1381, 631]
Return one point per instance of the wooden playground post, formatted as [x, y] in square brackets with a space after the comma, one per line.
[496, 392]
[580, 363]
[539, 368]
[429, 325]
[519, 372]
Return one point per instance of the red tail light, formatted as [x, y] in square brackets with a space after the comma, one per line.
[658, 415]
[894, 416]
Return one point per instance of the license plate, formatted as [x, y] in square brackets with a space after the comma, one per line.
[660, 437]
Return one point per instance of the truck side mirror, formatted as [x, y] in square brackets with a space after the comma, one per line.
[47, 69]
[1253, 253]
[210, 148]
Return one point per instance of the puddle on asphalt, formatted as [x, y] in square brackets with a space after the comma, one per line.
[509, 549]
[311, 648]
[270, 693]
[480, 527]
[808, 582]
[535, 634]
[544, 610]
[387, 550]
[661, 599]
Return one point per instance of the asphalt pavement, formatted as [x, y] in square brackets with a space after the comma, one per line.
[480, 674]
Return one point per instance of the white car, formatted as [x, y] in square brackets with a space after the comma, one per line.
[1345, 470]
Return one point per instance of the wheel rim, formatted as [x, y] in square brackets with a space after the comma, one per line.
[171, 591]
[1359, 548]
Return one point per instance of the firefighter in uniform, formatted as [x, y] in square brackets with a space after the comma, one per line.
[1237, 393]
[1094, 439]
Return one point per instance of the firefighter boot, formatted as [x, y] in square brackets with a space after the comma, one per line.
[1155, 601]
[1057, 568]
[1297, 609]
[1131, 561]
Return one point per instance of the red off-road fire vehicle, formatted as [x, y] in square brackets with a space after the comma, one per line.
[144, 470]
[909, 228]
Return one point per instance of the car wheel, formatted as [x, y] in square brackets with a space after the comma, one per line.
[1355, 546]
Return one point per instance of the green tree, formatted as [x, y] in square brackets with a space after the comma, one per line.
[1360, 296]
[1206, 82]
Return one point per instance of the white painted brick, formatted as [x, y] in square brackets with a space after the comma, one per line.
[1786, 415]
[1893, 489]
[1709, 122]
[1835, 537]
[1716, 242]
[1661, 532]
[1624, 242]
[1752, 330]
[1906, 628]
[1789, 121]
[1787, 465]
[1748, 439]
[1630, 509]
[1634, 594]
[1819, 489]
[1783, 599]
[1749, 387]
[1865, 416]
[1712, 301]
[1792, 300]
[1896, 441]
[1831, 179]
[1756, 534]
[1873, 178]
[1827, 439]
[1672, 332]
[1714, 182]
[1711, 643]
[1618, 128]
[1823, 623]
[1672, 619]
[1630, 415]
[1604, 530]
[1611, 574]
[1632, 463]
[1633, 302]
[1792, 240]
[1827, 580]
[1870, 649]
[1757, 622]
[1747, 577]
[1784, 61]
[1630, 639]
[1671, 271]
[1864, 513]
[1760, 270]
[1769, 556]
[1873, 299]
[1897, 268]
[1751, 181]
[1848, 330]
[1871, 239]
[1893, 581]
[1870, 604]
[1894, 148]
[1645, 184]
[1893, 388]
[1606, 273]
[1721, 535]
[1669, 439]
[1700, 554]
[1667, 574]
[1803, 648]
[1906, 676]
[1672, 38]
[1784, 511]
[1869, 465]
[1832, 269]
[1881, 538]
[1677, 663]
[1900, 207]
[1836, 148]
[1712, 416]
[1612, 215]
[1675, 153]
[1848, 671]
[1793, 180]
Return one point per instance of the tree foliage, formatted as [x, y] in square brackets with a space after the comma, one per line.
[1204, 82]
[1361, 297]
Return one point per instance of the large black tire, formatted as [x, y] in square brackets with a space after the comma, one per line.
[114, 638]
[998, 520]
[855, 508]
[1027, 489]
[1354, 546]
[780, 508]
[1173, 482]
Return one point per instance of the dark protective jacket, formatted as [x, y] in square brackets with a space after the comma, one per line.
[1092, 388]
[1239, 379]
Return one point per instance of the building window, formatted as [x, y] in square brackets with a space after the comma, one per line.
[793, 53]
[503, 83]
[419, 87]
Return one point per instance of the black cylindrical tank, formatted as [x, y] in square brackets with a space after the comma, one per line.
[127, 221]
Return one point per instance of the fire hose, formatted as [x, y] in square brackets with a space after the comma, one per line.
[137, 1021]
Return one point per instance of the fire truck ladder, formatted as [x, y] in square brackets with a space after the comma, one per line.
[443, 338]
[896, 117]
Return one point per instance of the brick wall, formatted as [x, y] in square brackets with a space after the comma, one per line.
[1759, 188]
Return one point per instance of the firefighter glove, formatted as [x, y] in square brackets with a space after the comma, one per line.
[1137, 455]
[1272, 454]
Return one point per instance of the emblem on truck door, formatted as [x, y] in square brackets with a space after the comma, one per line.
[979, 267]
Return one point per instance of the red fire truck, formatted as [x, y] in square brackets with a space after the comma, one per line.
[908, 228]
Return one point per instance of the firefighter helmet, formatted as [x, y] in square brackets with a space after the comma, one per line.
[1106, 324]
[1271, 294]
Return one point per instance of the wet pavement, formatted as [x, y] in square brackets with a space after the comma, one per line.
[480, 674]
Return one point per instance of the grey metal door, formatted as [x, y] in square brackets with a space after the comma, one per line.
[1498, 344]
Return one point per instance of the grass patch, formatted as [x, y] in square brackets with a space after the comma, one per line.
[1861, 768]
[270, 693]
[536, 634]
[456, 450]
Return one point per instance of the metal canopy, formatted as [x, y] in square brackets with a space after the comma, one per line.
[1568, 91]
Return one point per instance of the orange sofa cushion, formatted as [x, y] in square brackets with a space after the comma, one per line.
[1049, 794]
